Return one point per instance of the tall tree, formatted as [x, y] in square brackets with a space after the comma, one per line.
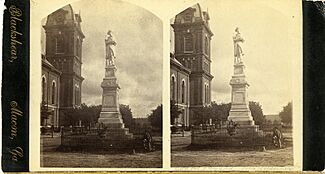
[216, 112]
[85, 114]
[220, 111]
[202, 115]
[155, 118]
[90, 114]
[286, 114]
[174, 112]
[127, 116]
[257, 112]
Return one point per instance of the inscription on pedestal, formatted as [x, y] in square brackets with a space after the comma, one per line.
[109, 101]
[238, 97]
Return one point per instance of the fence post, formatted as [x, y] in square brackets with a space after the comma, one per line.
[192, 134]
[62, 133]
[52, 129]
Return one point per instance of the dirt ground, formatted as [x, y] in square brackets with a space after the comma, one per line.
[50, 157]
[183, 157]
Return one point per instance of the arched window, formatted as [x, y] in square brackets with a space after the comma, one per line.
[79, 47]
[183, 91]
[43, 88]
[53, 92]
[76, 95]
[206, 45]
[172, 87]
[206, 93]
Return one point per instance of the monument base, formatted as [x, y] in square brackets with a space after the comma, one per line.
[112, 135]
[241, 116]
[242, 120]
[113, 126]
[111, 120]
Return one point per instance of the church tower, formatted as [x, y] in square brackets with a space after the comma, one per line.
[64, 51]
[192, 49]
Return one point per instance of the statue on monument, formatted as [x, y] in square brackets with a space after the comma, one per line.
[238, 52]
[110, 43]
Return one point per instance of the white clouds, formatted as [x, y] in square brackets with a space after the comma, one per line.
[268, 51]
[139, 53]
[267, 48]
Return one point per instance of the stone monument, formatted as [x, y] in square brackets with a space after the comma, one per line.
[241, 128]
[240, 112]
[111, 135]
[110, 116]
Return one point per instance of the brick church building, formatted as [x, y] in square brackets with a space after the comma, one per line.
[190, 76]
[61, 66]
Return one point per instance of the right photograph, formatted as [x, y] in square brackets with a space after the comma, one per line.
[231, 85]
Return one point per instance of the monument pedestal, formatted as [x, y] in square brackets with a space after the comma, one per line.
[110, 116]
[240, 112]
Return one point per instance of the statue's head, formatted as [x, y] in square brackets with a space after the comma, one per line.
[109, 32]
[237, 30]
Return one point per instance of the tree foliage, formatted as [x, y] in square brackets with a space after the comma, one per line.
[174, 112]
[127, 116]
[87, 115]
[220, 112]
[216, 112]
[286, 114]
[155, 118]
[90, 114]
[202, 115]
[257, 112]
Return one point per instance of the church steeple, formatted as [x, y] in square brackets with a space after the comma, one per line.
[64, 39]
[192, 49]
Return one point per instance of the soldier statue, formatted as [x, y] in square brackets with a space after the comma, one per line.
[238, 52]
[110, 43]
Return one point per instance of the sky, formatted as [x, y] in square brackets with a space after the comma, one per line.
[268, 54]
[138, 34]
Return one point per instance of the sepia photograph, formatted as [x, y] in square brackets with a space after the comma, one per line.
[163, 86]
[101, 86]
[231, 85]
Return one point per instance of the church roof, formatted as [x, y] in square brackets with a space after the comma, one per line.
[46, 63]
[193, 16]
[175, 63]
[64, 16]
[196, 14]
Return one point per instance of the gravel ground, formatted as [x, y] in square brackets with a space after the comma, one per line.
[138, 160]
[230, 157]
[50, 157]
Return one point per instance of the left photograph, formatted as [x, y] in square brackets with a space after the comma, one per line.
[101, 104]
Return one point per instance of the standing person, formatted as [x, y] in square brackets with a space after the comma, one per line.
[110, 53]
[238, 51]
